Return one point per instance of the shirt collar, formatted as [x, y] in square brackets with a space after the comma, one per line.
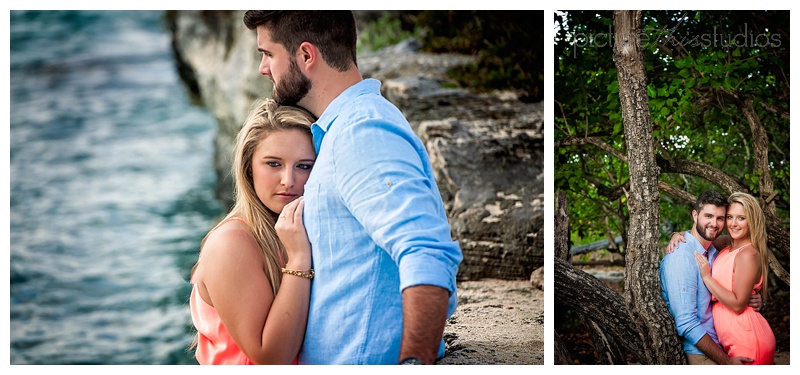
[323, 123]
[698, 248]
[365, 86]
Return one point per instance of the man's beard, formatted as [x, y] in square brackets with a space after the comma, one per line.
[293, 88]
[702, 233]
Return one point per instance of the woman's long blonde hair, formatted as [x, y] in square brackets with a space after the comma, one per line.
[264, 119]
[756, 229]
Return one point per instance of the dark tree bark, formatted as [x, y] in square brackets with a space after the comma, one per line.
[602, 310]
[561, 230]
[596, 302]
[606, 348]
[561, 354]
[642, 289]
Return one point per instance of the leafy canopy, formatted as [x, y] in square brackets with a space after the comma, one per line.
[700, 66]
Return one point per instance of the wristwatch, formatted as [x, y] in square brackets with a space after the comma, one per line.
[411, 361]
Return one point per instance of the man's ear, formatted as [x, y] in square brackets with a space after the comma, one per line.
[307, 55]
[694, 215]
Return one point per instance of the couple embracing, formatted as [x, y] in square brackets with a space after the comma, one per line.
[337, 249]
[715, 295]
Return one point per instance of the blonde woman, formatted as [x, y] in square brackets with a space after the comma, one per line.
[739, 272]
[252, 280]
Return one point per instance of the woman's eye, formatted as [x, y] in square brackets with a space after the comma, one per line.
[273, 164]
[305, 166]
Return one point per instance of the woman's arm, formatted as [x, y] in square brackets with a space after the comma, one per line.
[268, 328]
[674, 239]
[747, 268]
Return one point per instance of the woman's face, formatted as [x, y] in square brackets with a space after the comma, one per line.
[281, 165]
[737, 222]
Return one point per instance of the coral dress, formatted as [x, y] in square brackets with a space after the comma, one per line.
[215, 345]
[745, 334]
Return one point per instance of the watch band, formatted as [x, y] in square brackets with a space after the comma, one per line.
[411, 361]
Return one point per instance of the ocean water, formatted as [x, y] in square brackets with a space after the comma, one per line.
[111, 190]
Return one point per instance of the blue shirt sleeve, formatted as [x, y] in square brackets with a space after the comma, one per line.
[679, 281]
[384, 178]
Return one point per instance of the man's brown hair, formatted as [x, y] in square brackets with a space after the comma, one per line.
[334, 33]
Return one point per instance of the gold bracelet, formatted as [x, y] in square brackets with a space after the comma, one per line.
[306, 274]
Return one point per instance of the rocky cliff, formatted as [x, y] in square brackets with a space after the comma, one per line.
[487, 149]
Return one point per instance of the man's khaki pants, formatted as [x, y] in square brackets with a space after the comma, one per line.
[699, 359]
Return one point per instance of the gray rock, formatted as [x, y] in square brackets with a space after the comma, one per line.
[220, 55]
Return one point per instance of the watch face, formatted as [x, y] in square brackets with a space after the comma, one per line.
[411, 361]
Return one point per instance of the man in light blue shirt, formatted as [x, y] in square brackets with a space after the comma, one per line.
[385, 263]
[687, 297]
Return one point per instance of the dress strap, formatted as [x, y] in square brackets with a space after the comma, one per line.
[742, 247]
[237, 218]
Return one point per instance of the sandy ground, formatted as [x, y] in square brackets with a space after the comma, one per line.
[497, 322]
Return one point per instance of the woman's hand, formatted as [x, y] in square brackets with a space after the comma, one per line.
[674, 240]
[702, 262]
[292, 233]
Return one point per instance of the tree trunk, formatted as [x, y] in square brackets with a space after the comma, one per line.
[596, 302]
[561, 232]
[648, 309]
[561, 354]
[607, 350]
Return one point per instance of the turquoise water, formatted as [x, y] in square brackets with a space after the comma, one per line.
[112, 189]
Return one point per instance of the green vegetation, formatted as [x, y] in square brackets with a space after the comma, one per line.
[703, 67]
[508, 45]
[383, 32]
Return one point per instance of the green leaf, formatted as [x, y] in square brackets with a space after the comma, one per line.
[613, 87]
[651, 91]
[681, 63]
[726, 83]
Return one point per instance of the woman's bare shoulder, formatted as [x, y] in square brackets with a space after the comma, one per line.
[748, 251]
[232, 236]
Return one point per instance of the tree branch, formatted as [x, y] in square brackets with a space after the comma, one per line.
[576, 141]
[679, 193]
[773, 109]
[595, 301]
[702, 170]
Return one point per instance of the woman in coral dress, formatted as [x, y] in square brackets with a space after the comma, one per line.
[252, 280]
[741, 269]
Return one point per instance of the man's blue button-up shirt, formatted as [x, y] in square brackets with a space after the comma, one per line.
[688, 299]
[377, 225]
